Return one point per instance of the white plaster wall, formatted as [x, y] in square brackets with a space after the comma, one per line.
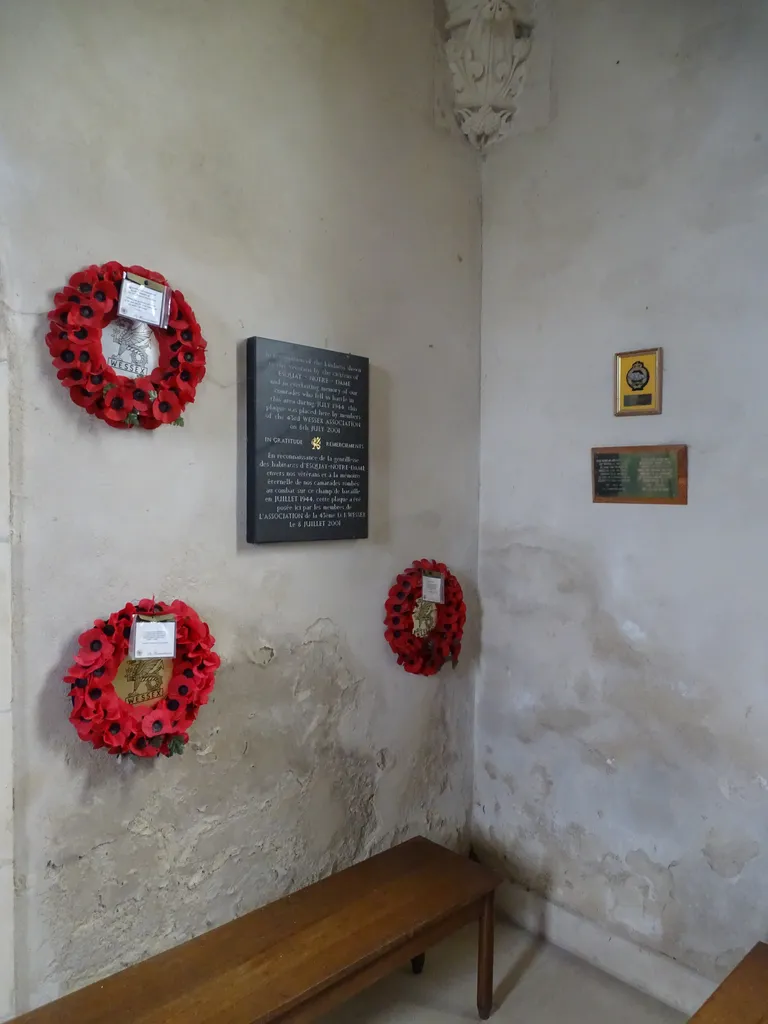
[6, 725]
[623, 709]
[278, 163]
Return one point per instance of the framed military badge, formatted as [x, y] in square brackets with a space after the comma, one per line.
[637, 383]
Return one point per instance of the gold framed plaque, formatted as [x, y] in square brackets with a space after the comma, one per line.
[637, 383]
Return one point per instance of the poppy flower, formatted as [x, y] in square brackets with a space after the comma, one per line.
[151, 275]
[59, 316]
[90, 730]
[394, 636]
[190, 629]
[95, 649]
[211, 660]
[191, 671]
[162, 377]
[67, 296]
[84, 280]
[118, 403]
[404, 586]
[67, 358]
[83, 313]
[76, 677]
[181, 318]
[411, 664]
[183, 688]
[141, 746]
[107, 627]
[166, 408]
[156, 722]
[398, 605]
[149, 423]
[78, 704]
[81, 362]
[117, 734]
[186, 386]
[98, 411]
[190, 359]
[140, 397]
[205, 688]
[72, 336]
[110, 704]
[93, 695]
[72, 378]
[113, 271]
[175, 706]
[102, 297]
[446, 616]
[57, 339]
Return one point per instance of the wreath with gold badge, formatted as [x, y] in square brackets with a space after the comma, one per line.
[138, 396]
[425, 634]
[142, 707]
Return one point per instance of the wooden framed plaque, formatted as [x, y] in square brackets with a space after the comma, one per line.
[654, 474]
[637, 383]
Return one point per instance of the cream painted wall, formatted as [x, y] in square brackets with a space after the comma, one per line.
[279, 164]
[6, 724]
[621, 760]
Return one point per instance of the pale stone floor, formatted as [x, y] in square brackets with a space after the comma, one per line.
[535, 984]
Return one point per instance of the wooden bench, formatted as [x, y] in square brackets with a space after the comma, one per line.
[743, 996]
[299, 957]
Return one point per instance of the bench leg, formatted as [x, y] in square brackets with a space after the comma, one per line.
[417, 963]
[485, 960]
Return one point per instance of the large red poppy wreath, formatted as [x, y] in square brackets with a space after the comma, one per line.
[81, 312]
[102, 718]
[425, 655]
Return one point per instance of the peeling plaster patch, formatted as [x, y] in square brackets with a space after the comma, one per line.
[383, 759]
[541, 782]
[530, 726]
[728, 856]
[270, 801]
[264, 656]
[633, 632]
[569, 866]
[597, 759]
[490, 771]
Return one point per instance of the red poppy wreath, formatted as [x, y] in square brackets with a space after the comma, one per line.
[82, 310]
[141, 707]
[425, 634]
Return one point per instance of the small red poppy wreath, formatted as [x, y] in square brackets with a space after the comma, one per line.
[80, 314]
[102, 718]
[424, 635]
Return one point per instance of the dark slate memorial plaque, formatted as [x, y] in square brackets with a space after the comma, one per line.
[307, 443]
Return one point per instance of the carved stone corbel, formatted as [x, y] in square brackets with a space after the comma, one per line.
[487, 44]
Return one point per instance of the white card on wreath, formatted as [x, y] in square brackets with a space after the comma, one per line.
[144, 299]
[154, 639]
[433, 587]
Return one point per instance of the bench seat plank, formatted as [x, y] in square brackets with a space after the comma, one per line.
[267, 964]
[743, 996]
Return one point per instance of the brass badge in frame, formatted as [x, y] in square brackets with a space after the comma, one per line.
[637, 383]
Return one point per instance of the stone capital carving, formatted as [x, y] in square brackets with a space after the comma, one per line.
[487, 44]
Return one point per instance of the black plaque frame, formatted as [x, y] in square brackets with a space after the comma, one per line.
[294, 398]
